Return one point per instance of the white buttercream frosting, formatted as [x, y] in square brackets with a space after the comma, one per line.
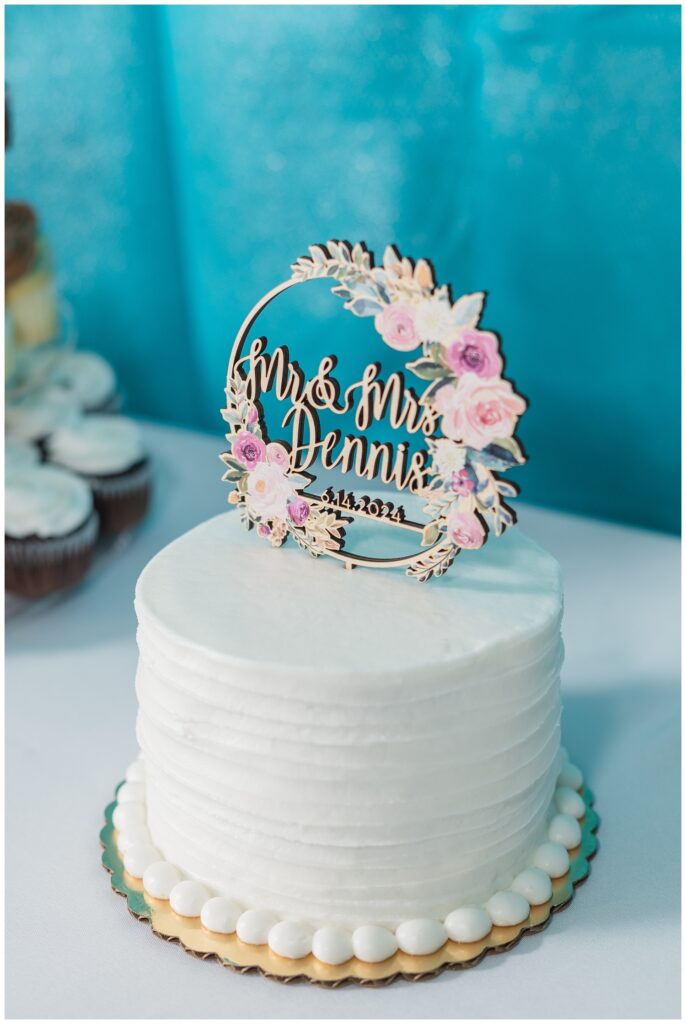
[86, 376]
[101, 445]
[19, 455]
[45, 501]
[331, 944]
[38, 414]
[346, 748]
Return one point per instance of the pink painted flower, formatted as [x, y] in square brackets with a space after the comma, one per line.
[278, 455]
[475, 352]
[477, 412]
[465, 529]
[269, 491]
[263, 530]
[299, 510]
[462, 483]
[252, 416]
[248, 449]
[395, 324]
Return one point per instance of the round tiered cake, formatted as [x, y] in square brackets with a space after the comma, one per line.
[340, 762]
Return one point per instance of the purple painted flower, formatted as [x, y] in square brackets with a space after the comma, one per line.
[299, 510]
[462, 483]
[263, 530]
[248, 449]
[475, 352]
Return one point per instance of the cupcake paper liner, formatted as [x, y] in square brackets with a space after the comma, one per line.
[122, 500]
[36, 566]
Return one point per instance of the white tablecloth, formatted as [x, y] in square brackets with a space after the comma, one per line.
[72, 949]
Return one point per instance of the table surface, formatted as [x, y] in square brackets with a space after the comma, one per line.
[73, 951]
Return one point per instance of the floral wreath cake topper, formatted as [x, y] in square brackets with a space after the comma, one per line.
[466, 415]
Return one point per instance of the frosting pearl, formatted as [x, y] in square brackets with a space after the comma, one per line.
[332, 945]
[138, 857]
[254, 926]
[291, 939]
[135, 772]
[507, 908]
[220, 914]
[565, 830]
[468, 924]
[421, 936]
[534, 885]
[571, 776]
[553, 859]
[568, 801]
[136, 834]
[372, 943]
[160, 878]
[131, 792]
[126, 815]
[188, 897]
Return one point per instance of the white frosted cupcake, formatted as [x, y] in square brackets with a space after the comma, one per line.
[50, 530]
[89, 379]
[108, 453]
[38, 414]
[20, 455]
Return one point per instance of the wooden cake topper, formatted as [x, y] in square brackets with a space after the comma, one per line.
[465, 417]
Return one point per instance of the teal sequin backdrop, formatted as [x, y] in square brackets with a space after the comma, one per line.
[180, 158]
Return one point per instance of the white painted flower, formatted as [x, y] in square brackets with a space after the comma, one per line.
[269, 491]
[434, 320]
[449, 457]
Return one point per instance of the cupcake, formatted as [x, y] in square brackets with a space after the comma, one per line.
[20, 455]
[50, 530]
[37, 414]
[107, 452]
[89, 379]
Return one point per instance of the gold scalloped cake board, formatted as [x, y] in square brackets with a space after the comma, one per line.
[230, 952]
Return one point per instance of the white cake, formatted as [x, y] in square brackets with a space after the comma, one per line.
[331, 748]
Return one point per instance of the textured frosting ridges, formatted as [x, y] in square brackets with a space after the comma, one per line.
[348, 772]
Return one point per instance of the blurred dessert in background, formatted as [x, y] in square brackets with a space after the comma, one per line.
[30, 292]
[20, 455]
[35, 416]
[50, 530]
[89, 379]
[59, 406]
[108, 453]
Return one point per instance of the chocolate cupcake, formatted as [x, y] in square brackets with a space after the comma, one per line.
[50, 530]
[107, 452]
[89, 379]
[35, 416]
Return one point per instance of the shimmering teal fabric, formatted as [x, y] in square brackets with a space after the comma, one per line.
[181, 157]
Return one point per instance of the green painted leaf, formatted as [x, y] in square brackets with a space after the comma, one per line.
[427, 369]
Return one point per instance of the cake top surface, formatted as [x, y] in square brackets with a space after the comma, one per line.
[215, 589]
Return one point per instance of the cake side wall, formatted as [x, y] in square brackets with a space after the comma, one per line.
[350, 812]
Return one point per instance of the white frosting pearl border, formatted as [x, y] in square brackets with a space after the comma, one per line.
[370, 943]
